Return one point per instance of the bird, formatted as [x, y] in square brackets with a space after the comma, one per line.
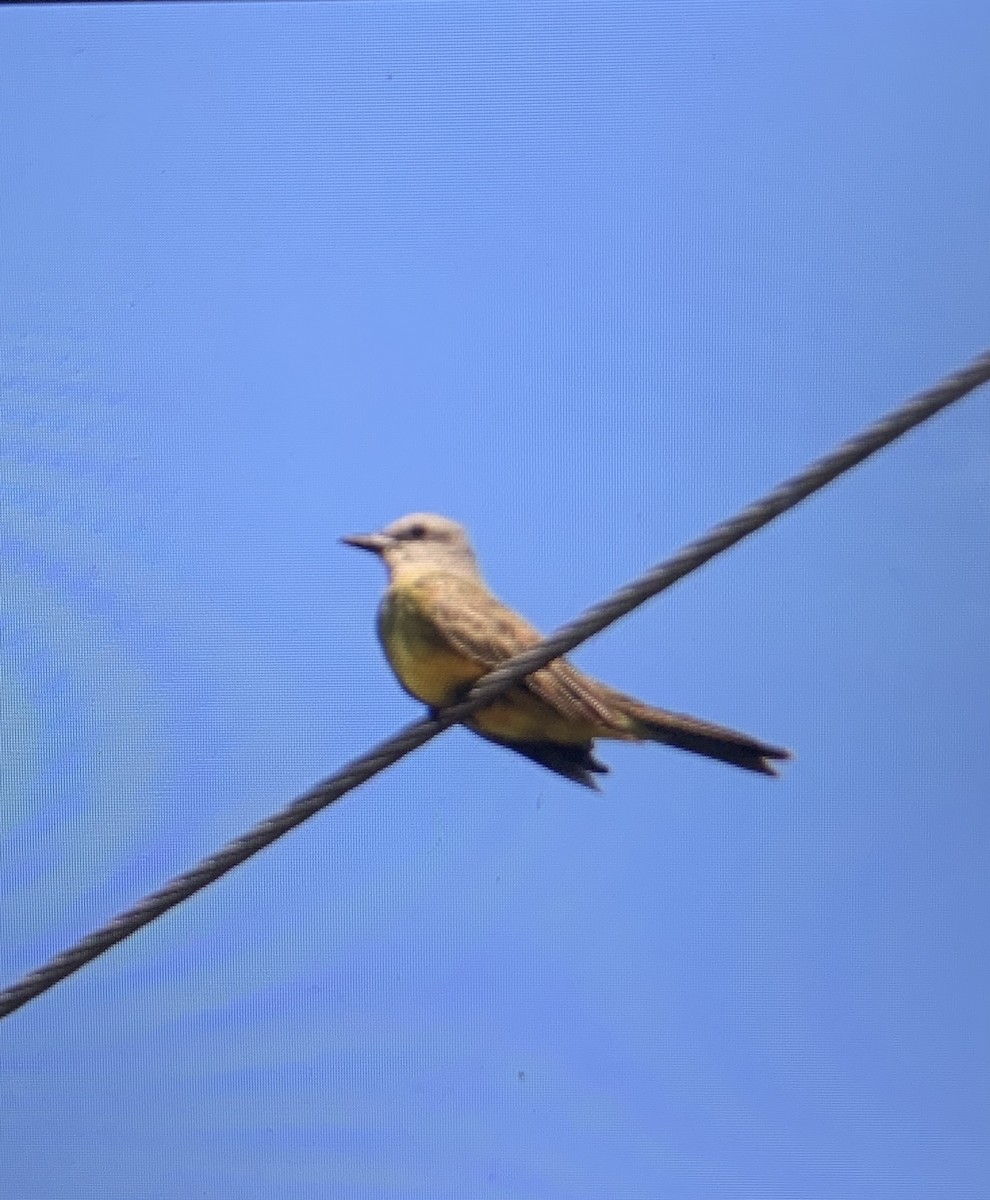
[442, 629]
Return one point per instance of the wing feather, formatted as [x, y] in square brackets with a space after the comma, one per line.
[475, 623]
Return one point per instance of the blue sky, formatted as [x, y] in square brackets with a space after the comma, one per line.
[587, 277]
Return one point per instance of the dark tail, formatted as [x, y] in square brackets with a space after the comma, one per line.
[702, 737]
[572, 761]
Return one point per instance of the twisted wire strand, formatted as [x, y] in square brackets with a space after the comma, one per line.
[694, 555]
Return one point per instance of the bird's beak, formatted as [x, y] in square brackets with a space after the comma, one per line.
[375, 542]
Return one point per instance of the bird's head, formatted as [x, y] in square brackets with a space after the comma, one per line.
[420, 541]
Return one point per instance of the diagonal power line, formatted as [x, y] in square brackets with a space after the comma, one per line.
[694, 555]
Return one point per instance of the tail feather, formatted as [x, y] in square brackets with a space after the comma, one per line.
[573, 761]
[702, 737]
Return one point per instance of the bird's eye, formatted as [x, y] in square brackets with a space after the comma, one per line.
[417, 533]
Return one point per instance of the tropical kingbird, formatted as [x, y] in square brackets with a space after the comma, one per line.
[442, 630]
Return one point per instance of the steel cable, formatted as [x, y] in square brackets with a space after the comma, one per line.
[361, 769]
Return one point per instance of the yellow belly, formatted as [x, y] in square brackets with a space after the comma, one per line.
[522, 717]
[436, 677]
[426, 666]
[429, 669]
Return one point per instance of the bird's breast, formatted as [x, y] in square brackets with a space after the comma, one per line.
[424, 662]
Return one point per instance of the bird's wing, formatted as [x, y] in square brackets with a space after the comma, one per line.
[478, 625]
